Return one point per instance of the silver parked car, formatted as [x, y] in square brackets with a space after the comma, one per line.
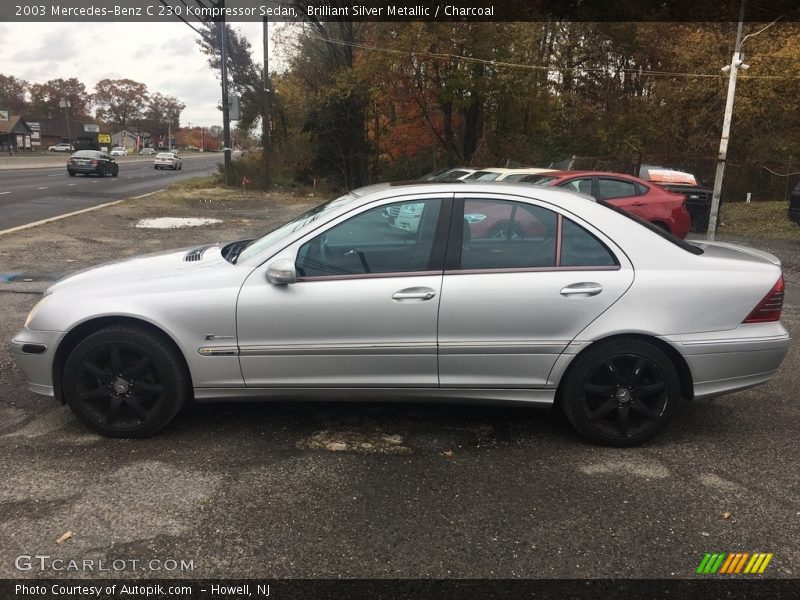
[577, 304]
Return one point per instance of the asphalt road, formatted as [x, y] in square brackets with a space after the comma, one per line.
[29, 195]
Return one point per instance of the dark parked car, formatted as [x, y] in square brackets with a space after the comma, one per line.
[641, 198]
[92, 162]
[698, 198]
[794, 204]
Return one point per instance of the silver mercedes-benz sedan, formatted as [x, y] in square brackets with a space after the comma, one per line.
[485, 292]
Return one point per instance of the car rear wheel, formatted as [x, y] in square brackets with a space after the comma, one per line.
[71, 173]
[115, 171]
[621, 393]
[125, 381]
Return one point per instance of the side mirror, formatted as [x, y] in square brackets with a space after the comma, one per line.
[281, 272]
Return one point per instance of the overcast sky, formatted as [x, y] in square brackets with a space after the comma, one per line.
[164, 56]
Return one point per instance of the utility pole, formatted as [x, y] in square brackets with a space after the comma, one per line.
[226, 124]
[169, 136]
[66, 104]
[266, 141]
[736, 64]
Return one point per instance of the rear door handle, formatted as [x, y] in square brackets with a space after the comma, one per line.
[414, 293]
[583, 289]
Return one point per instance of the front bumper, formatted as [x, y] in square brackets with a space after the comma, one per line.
[729, 361]
[34, 352]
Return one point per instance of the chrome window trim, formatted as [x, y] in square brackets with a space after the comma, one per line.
[531, 270]
[369, 275]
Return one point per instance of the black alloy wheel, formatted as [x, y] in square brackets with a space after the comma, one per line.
[621, 393]
[125, 381]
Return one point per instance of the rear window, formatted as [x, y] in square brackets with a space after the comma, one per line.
[682, 244]
[87, 154]
[165, 155]
[538, 179]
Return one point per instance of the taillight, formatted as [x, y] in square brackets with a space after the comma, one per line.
[769, 309]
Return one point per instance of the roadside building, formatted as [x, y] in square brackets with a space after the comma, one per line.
[15, 134]
[132, 140]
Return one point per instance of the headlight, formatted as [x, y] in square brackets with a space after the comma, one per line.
[36, 309]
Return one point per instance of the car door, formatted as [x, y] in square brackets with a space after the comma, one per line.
[363, 311]
[521, 281]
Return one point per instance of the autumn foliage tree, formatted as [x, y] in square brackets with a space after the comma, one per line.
[120, 102]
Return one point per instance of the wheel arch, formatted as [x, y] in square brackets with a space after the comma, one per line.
[678, 361]
[86, 328]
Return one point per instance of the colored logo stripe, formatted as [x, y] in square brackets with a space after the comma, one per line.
[734, 563]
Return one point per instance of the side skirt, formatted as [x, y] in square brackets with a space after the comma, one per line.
[528, 397]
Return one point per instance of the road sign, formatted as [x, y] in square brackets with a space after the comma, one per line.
[103, 138]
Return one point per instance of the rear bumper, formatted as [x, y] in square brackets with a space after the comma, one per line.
[729, 361]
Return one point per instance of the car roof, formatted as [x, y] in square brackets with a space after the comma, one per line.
[379, 191]
[590, 173]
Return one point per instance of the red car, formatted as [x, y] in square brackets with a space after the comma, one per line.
[642, 198]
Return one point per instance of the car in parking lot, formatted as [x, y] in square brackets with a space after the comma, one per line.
[119, 151]
[587, 308]
[92, 162]
[62, 147]
[650, 202]
[505, 174]
[168, 160]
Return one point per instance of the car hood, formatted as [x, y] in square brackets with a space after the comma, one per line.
[159, 270]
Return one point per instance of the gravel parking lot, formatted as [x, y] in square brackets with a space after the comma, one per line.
[333, 490]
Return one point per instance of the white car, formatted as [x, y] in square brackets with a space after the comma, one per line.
[503, 174]
[119, 151]
[168, 160]
[62, 147]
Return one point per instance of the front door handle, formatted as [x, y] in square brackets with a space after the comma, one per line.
[414, 293]
[583, 289]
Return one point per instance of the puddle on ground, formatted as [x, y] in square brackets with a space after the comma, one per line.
[174, 222]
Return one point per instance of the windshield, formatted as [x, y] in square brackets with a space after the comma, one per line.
[256, 246]
[483, 176]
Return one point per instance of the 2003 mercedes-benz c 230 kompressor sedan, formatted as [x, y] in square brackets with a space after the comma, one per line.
[491, 292]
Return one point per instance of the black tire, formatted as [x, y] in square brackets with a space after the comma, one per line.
[71, 173]
[115, 171]
[620, 393]
[125, 381]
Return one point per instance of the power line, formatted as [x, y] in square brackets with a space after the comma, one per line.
[498, 63]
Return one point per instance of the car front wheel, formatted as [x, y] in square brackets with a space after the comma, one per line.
[125, 381]
[621, 393]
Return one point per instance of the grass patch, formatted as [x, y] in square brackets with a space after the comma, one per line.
[766, 220]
